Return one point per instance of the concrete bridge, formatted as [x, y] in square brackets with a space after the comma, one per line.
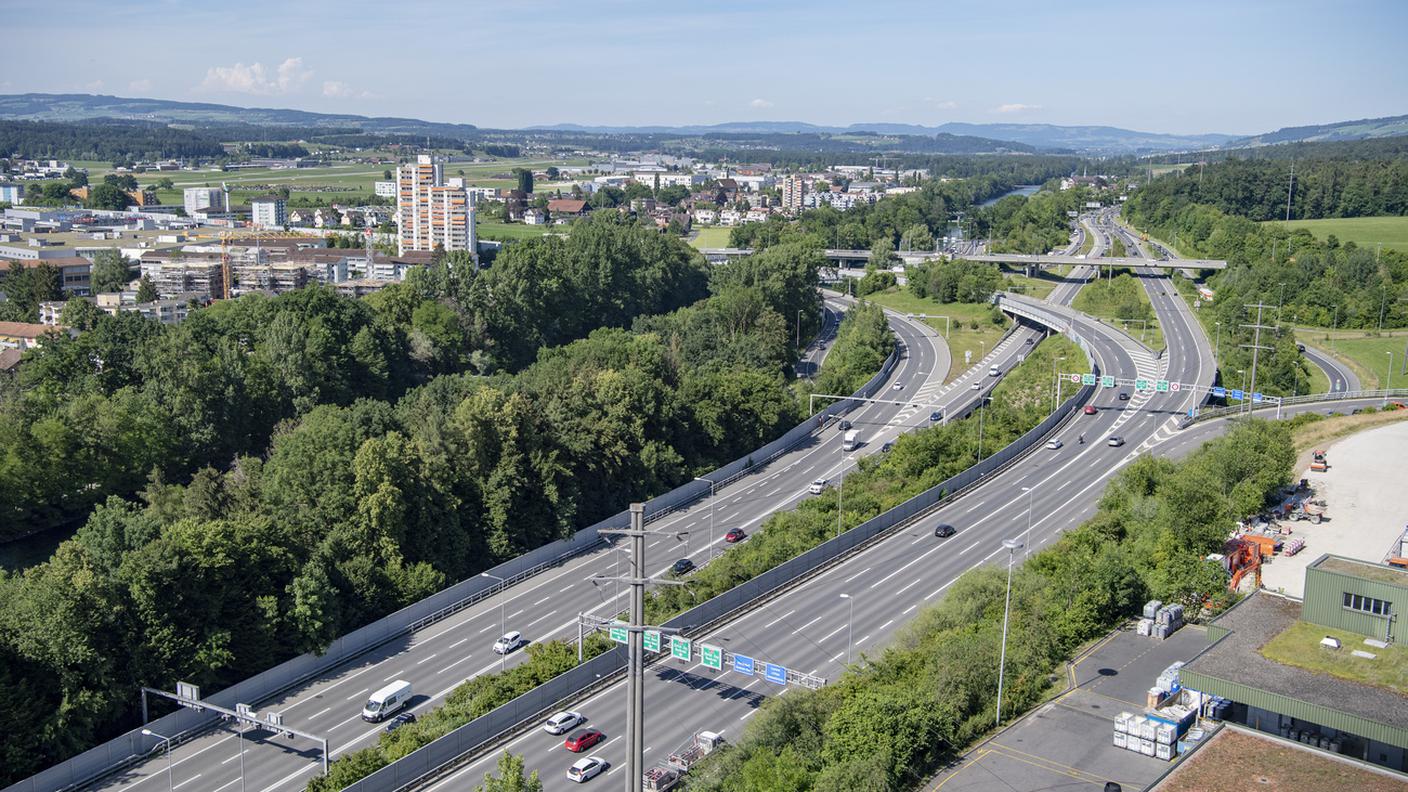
[858, 258]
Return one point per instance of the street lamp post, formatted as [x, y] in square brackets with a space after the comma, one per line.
[799, 328]
[850, 625]
[1011, 545]
[1246, 398]
[169, 779]
[503, 629]
[1217, 345]
[1056, 383]
[1388, 383]
[711, 511]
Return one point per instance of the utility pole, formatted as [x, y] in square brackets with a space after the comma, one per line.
[1255, 346]
[1289, 188]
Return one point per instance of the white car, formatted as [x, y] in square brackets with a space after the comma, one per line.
[508, 642]
[898, 386]
[562, 721]
[817, 486]
[976, 386]
[1054, 444]
[584, 770]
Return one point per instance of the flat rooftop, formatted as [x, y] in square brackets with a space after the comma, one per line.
[1236, 759]
[1382, 573]
[1237, 658]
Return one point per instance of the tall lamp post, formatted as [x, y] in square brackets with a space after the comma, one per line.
[850, 625]
[1388, 383]
[1055, 383]
[711, 511]
[503, 662]
[1012, 545]
[1027, 538]
[167, 740]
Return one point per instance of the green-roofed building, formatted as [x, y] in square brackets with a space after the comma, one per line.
[1328, 669]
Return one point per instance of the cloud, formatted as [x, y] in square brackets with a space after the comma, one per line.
[140, 86]
[1017, 108]
[945, 104]
[760, 104]
[337, 89]
[95, 86]
[255, 79]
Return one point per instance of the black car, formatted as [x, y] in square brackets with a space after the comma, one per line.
[1124, 396]
[936, 416]
[399, 721]
[845, 425]
[682, 566]
[944, 530]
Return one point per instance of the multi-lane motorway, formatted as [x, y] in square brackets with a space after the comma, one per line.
[442, 655]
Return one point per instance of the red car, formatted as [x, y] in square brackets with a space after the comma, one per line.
[735, 535]
[582, 740]
[1090, 409]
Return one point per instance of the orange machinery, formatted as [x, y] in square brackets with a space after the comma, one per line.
[1244, 558]
[1318, 463]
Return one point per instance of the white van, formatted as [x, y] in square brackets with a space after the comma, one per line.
[850, 441]
[994, 371]
[387, 701]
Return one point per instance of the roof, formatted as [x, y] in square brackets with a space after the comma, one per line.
[568, 205]
[1382, 573]
[9, 358]
[25, 330]
[267, 199]
[56, 261]
[1237, 658]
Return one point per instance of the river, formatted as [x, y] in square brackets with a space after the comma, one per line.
[1025, 189]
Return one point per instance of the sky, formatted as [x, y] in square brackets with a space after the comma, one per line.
[1191, 66]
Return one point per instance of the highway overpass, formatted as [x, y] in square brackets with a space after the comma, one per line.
[858, 258]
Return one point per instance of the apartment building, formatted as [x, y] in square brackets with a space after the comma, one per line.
[196, 199]
[75, 272]
[22, 335]
[794, 193]
[430, 212]
[269, 211]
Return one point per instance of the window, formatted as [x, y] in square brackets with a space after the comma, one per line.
[1364, 604]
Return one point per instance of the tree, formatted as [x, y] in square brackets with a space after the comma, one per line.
[75, 177]
[386, 174]
[882, 251]
[511, 777]
[146, 291]
[108, 196]
[164, 183]
[111, 271]
[122, 181]
[551, 172]
[525, 179]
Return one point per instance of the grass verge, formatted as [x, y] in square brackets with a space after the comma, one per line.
[971, 329]
[1366, 232]
[1122, 302]
[1366, 353]
[711, 238]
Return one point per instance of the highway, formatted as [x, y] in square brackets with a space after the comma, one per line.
[442, 655]
[810, 628]
[1341, 378]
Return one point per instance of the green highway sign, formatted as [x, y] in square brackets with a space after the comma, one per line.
[1161, 386]
[711, 657]
[680, 648]
[1107, 381]
[1142, 385]
[1087, 379]
[652, 640]
[619, 634]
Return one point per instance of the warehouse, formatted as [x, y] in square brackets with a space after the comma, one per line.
[1333, 680]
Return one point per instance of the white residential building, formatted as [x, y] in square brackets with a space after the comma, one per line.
[197, 199]
[12, 193]
[431, 213]
[384, 189]
[269, 211]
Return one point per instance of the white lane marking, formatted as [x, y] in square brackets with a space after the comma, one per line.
[540, 618]
[856, 575]
[541, 601]
[358, 695]
[888, 623]
[779, 618]
[428, 658]
[970, 547]
[566, 587]
[486, 629]
[290, 777]
[457, 643]
[187, 781]
[452, 665]
[323, 711]
[231, 782]
[824, 638]
[805, 626]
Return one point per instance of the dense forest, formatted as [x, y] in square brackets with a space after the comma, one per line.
[108, 140]
[276, 471]
[895, 719]
[1257, 188]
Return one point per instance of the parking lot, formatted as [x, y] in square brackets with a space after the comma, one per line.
[1067, 744]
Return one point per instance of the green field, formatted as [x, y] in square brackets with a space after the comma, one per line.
[711, 238]
[963, 336]
[508, 232]
[1391, 232]
[1366, 354]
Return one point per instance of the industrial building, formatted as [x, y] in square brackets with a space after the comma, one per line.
[1335, 696]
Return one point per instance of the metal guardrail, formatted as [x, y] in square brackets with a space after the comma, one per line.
[185, 724]
[1312, 398]
[433, 758]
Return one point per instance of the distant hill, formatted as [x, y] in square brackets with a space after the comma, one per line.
[1085, 139]
[1391, 126]
[78, 107]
